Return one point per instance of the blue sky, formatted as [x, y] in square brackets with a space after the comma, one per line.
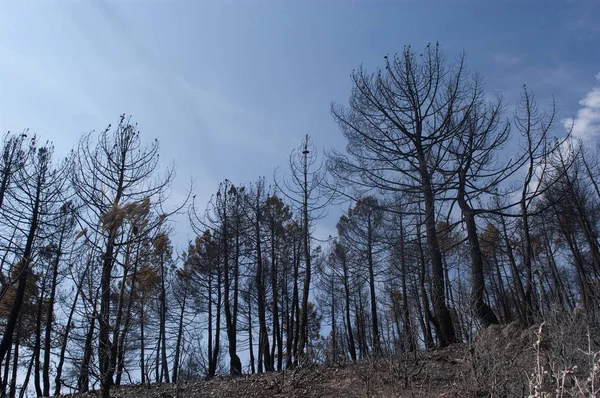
[230, 87]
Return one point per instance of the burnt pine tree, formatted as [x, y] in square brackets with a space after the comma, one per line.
[481, 134]
[396, 124]
[115, 173]
[303, 187]
[65, 223]
[223, 215]
[33, 205]
[361, 230]
[534, 125]
[15, 153]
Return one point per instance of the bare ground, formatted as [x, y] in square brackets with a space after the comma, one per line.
[441, 373]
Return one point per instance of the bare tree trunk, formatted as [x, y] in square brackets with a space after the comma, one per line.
[516, 276]
[142, 346]
[120, 353]
[235, 365]
[307, 260]
[23, 270]
[275, 307]
[443, 324]
[260, 285]
[15, 365]
[405, 310]
[37, 347]
[211, 370]
[502, 290]
[164, 373]
[6, 370]
[179, 338]
[482, 310]
[333, 320]
[104, 346]
[49, 313]
[374, 319]
[351, 345]
[429, 318]
[217, 348]
[114, 349]
[84, 373]
[65, 341]
[250, 341]
[296, 305]
[27, 376]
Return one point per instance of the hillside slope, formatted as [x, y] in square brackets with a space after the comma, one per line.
[443, 373]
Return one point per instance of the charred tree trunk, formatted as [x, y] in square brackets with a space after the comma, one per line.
[235, 365]
[23, 266]
[65, 340]
[374, 319]
[49, 313]
[351, 345]
[482, 310]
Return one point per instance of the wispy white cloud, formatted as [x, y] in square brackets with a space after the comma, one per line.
[30, 70]
[506, 59]
[586, 124]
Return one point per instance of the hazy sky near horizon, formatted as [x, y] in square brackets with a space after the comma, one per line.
[229, 88]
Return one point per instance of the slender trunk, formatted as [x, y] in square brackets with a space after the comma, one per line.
[561, 293]
[502, 290]
[83, 381]
[334, 348]
[179, 338]
[429, 318]
[362, 327]
[27, 376]
[578, 261]
[15, 363]
[351, 344]
[236, 286]
[260, 284]
[121, 303]
[6, 370]
[142, 345]
[250, 341]
[289, 325]
[127, 322]
[23, 272]
[306, 245]
[157, 374]
[296, 305]
[289, 313]
[211, 370]
[374, 320]
[65, 340]
[275, 307]
[260, 354]
[49, 312]
[516, 276]
[282, 328]
[235, 365]
[104, 343]
[163, 322]
[527, 260]
[108, 260]
[405, 310]
[37, 347]
[216, 348]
